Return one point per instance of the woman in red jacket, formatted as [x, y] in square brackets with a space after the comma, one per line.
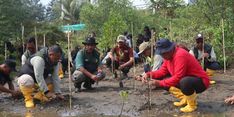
[187, 76]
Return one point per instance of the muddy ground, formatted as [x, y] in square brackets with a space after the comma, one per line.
[105, 100]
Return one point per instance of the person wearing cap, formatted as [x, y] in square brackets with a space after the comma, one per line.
[121, 56]
[5, 69]
[205, 51]
[30, 50]
[187, 78]
[41, 72]
[88, 66]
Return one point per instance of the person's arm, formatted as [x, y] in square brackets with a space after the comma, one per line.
[56, 80]
[162, 71]
[38, 66]
[111, 54]
[23, 59]
[191, 52]
[180, 68]
[158, 60]
[131, 60]
[6, 90]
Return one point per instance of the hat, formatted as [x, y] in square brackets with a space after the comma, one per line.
[199, 36]
[121, 38]
[11, 64]
[143, 47]
[164, 45]
[90, 40]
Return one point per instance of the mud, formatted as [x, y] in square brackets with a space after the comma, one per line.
[105, 101]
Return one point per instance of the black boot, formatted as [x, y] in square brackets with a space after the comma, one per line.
[77, 87]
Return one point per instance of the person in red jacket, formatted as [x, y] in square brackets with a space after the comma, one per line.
[187, 78]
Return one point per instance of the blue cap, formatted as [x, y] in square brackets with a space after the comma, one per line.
[164, 45]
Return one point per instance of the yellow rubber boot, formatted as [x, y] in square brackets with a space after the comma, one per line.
[210, 73]
[61, 74]
[191, 103]
[50, 87]
[28, 99]
[40, 96]
[176, 92]
[182, 102]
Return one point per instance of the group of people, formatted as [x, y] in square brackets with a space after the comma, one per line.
[166, 65]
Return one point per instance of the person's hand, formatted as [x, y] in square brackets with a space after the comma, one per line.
[16, 94]
[205, 55]
[50, 95]
[94, 77]
[144, 79]
[138, 77]
[60, 96]
[229, 100]
[154, 83]
[121, 67]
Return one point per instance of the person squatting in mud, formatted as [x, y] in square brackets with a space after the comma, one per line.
[205, 53]
[5, 70]
[187, 78]
[145, 52]
[88, 66]
[41, 72]
[120, 57]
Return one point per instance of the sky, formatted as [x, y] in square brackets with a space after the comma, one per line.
[137, 3]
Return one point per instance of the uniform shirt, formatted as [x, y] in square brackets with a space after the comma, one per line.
[83, 57]
[182, 64]
[38, 64]
[123, 55]
[4, 78]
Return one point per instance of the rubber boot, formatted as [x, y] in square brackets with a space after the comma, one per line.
[40, 95]
[182, 102]
[191, 103]
[176, 92]
[61, 74]
[210, 73]
[28, 99]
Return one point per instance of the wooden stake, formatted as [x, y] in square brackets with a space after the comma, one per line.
[224, 52]
[5, 51]
[35, 29]
[44, 40]
[69, 69]
[22, 36]
[134, 63]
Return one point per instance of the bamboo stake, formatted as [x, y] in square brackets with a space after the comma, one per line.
[22, 36]
[35, 29]
[134, 62]
[203, 51]
[69, 69]
[44, 40]
[5, 51]
[224, 53]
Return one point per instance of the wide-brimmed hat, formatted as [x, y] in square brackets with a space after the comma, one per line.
[11, 64]
[90, 40]
[164, 45]
[121, 38]
[143, 47]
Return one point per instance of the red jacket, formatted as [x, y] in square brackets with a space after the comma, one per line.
[182, 64]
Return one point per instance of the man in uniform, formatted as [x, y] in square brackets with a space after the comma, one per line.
[42, 70]
[88, 66]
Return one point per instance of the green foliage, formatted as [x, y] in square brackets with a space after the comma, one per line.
[111, 29]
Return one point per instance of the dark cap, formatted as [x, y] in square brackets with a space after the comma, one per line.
[11, 64]
[90, 40]
[199, 36]
[164, 45]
